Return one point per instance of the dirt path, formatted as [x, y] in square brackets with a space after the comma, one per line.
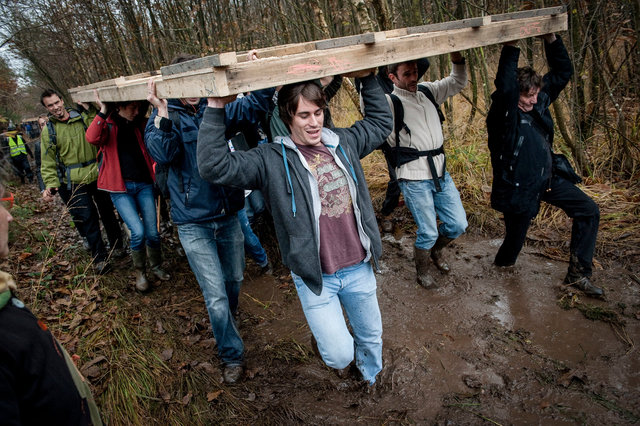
[488, 346]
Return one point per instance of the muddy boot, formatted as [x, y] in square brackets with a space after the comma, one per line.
[139, 264]
[155, 261]
[438, 256]
[577, 278]
[423, 260]
[387, 225]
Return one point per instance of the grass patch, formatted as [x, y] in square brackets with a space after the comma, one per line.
[288, 351]
[598, 313]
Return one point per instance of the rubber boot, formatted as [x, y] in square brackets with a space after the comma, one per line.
[139, 258]
[155, 261]
[438, 256]
[577, 278]
[423, 260]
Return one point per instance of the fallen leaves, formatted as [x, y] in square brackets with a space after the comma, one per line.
[212, 396]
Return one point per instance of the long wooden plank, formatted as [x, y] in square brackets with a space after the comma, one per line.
[269, 72]
[389, 47]
[551, 11]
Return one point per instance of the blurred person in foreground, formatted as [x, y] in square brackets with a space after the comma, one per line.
[39, 383]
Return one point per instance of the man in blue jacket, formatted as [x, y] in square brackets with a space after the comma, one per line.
[205, 214]
[314, 186]
[520, 131]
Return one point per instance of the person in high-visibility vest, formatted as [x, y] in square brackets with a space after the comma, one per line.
[18, 151]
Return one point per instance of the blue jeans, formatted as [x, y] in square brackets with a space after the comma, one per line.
[137, 208]
[353, 288]
[254, 204]
[251, 242]
[216, 256]
[425, 203]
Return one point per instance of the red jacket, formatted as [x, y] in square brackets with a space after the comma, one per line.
[99, 134]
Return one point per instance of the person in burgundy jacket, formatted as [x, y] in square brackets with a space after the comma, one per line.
[126, 172]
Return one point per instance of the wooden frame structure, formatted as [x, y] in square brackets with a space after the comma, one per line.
[230, 73]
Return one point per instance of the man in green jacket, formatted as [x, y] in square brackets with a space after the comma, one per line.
[69, 168]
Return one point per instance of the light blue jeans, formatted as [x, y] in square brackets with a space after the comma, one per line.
[137, 207]
[216, 255]
[353, 288]
[251, 242]
[425, 203]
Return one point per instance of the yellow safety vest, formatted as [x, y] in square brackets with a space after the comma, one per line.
[17, 148]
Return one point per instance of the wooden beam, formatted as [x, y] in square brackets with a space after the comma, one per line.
[551, 11]
[454, 25]
[366, 38]
[219, 60]
[230, 73]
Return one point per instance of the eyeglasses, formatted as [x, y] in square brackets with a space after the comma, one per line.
[7, 202]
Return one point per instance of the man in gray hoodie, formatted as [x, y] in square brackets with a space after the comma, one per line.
[314, 186]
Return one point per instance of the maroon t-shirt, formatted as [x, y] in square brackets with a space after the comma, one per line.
[340, 244]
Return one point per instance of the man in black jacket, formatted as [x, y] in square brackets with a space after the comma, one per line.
[520, 131]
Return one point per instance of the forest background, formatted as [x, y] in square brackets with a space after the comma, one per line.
[68, 43]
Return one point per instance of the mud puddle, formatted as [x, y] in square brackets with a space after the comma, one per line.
[489, 345]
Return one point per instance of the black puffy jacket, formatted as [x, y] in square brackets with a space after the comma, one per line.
[520, 142]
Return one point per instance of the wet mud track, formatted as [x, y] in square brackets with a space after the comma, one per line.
[489, 345]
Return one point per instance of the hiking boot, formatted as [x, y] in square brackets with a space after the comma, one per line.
[584, 284]
[101, 267]
[232, 373]
[576, 277]
[118, 252]
[387, 226]
[438, 256]
[266, 269]
[155, 261]
[423, 260]
[139, 259]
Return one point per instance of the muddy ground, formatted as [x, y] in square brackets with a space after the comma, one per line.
[489, 346]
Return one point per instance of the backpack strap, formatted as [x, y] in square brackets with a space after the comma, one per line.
[427, 92]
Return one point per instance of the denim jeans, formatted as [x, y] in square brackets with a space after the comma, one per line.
[216, 256]
[87, 204]
[425, 203]
[131, 205]
[353, 288]
[251, 242]
[254, 204]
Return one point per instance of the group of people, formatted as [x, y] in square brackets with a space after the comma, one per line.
[311, 181]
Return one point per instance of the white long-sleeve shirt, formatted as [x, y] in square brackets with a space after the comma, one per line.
[421, 116]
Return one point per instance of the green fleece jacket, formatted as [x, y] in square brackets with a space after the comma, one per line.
[73, 148]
